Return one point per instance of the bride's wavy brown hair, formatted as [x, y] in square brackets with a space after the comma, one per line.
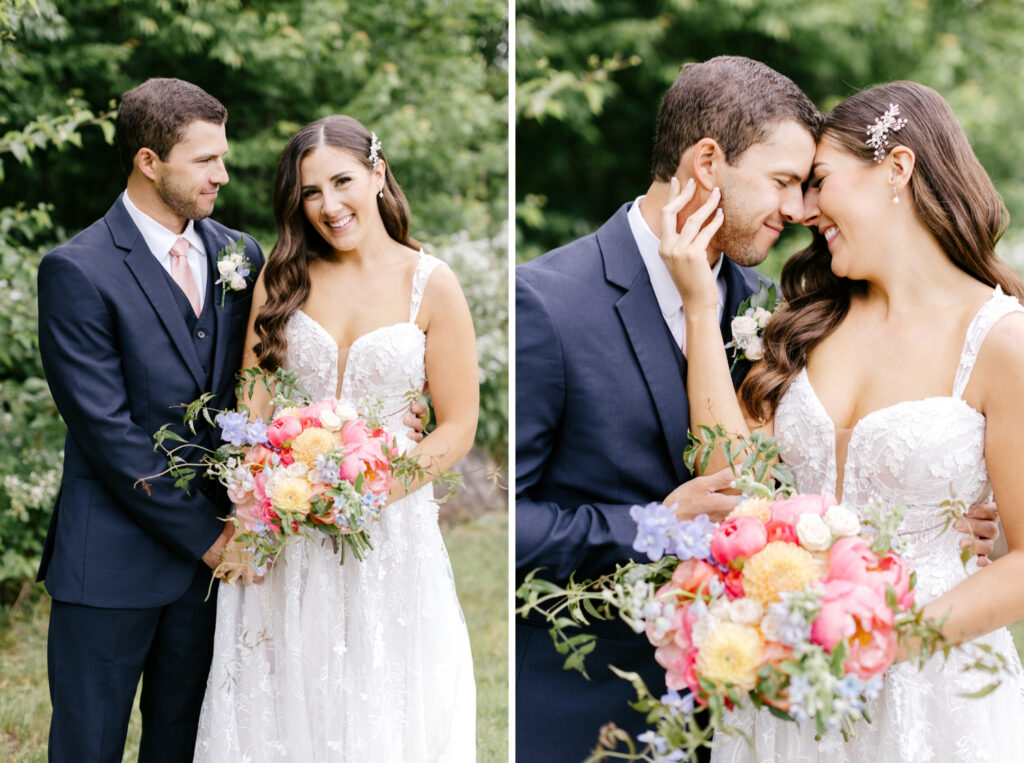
[952, 195]
[286, 274]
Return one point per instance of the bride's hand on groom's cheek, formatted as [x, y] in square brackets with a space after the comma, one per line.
[981, 530]
[702, 495]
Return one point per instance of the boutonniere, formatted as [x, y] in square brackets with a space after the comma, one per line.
[751, 318]
[233, 267]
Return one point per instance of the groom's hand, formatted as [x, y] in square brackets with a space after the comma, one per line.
[702, 495]
[981, 529]
[213, 554]
[414, 420]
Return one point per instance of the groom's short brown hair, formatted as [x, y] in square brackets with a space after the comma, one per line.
[733, 100]
[155, 114]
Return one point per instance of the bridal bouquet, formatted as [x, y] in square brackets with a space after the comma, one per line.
[790, 604]
[315, 468]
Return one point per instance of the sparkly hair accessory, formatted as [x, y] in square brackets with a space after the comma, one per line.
[889, 122]
[374, 149]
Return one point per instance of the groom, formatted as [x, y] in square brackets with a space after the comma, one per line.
[132, 325]
[601, 406]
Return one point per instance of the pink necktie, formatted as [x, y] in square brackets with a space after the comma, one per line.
[182, 273]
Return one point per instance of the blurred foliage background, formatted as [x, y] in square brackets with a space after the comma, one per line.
[430, 77]
[590, 76]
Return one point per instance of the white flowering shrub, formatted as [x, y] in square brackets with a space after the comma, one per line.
[482, 268]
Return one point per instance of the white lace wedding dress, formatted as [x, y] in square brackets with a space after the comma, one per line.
[909, 453]
[366, 662]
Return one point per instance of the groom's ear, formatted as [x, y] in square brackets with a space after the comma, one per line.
[705, 159]
[145, 162]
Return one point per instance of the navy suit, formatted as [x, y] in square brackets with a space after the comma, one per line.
[601, 423]
[121, 349]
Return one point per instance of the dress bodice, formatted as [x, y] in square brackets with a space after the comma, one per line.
[916, 453]
[385, 364]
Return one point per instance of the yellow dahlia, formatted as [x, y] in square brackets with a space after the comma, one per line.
[758, 508]
[731, 653]
[311, 443]
[291, 494]
[778, 567]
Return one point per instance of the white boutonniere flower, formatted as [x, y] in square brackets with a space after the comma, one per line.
[233, 268]
[751, 318]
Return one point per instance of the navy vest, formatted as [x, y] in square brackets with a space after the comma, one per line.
[200, 329]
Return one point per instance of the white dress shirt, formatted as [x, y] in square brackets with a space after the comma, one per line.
[665, 290]
[160, 240]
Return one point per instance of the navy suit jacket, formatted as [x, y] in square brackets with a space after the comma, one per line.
[120, 361]
[601, 424]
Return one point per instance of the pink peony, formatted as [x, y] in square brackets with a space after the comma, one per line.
[309, 416]
[283, 430]
[364, 454]
[790, 509]
[850, 611]
[852, 559]
[872, 654]
[737, 539]
[693, 575]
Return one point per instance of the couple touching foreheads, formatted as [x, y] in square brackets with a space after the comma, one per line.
[365, 661]
[893, 372]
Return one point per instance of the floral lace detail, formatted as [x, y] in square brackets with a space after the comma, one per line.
[363, 661]
[910, 453]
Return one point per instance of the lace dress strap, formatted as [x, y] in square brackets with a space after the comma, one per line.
[420, 276]
[998, 305]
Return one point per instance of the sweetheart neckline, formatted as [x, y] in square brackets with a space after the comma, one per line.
[834, 454]
[340, 384]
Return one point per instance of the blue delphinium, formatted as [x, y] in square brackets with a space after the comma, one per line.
[233, 425]
[654, 524]
[692, 539]
[678, 703]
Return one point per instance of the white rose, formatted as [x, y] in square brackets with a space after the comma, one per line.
[701, 629]
[225, 267]
[345, 412]
[743, 327]
[235, 281]
[841, 521]
[762, 317]
[745, 611]
[330, 420]
[720, 609]
[813, 533]
[754, 349]
[770, 626]
[296, 469]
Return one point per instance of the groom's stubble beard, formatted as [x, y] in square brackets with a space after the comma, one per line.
[737, 236]
[178, 199]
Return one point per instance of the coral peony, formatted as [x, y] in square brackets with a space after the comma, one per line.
[737, 539]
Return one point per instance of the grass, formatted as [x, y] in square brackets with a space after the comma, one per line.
[479, 554]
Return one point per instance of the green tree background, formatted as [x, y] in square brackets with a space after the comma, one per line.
[430, 77]
[590, 76]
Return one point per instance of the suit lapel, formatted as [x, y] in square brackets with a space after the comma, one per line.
[660, 360]
[150, 277]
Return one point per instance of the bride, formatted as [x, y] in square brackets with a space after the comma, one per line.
[895, 373]
[365, 661]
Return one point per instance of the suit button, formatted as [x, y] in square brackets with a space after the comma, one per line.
[201, 334]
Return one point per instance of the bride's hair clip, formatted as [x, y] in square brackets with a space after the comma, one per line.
[889, 122]
[375, 148]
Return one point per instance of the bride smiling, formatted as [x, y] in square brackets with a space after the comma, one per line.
[365, 661]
